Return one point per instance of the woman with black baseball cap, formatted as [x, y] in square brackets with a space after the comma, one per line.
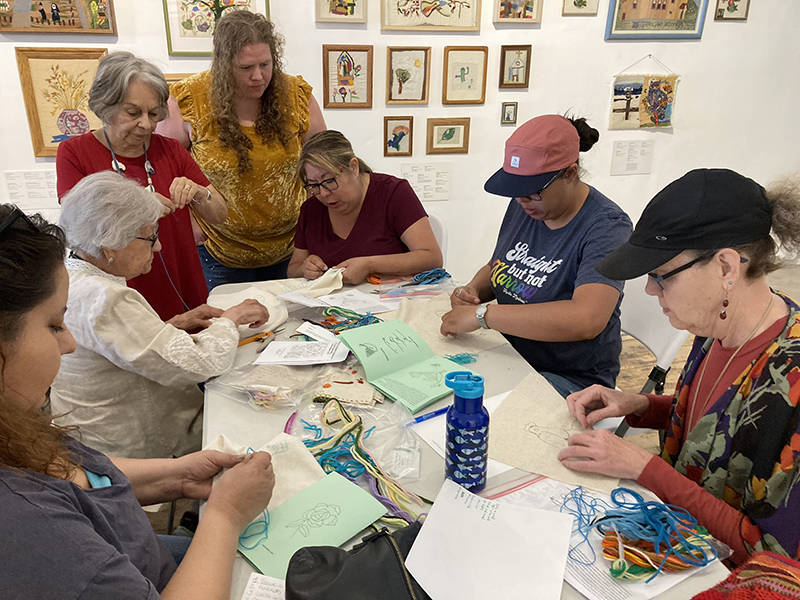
[732, 451]
[555, 309]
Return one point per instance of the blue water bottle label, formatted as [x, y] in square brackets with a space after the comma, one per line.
[466, 455]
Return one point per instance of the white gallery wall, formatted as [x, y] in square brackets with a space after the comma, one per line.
[735, 104]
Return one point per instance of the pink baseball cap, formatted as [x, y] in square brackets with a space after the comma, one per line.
[535, 152]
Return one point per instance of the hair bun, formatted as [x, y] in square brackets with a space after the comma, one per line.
[588, 134]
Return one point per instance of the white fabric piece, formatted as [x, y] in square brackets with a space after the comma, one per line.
[325, 284]
[131, 384]
[295, 467]
[278, 312]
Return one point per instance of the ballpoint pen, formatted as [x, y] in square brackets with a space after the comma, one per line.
[431, 414]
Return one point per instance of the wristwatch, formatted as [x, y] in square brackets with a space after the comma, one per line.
[480, 314]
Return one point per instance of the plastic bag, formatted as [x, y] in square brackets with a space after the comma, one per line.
[400, 290]
[269, 386]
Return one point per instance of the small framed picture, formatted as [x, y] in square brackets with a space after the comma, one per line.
[521, 12]
[515, 66]
[732, 10]
[341, 11]
[580, 7]
[448, 136]
[509, 114]
[408, 74]
[464, 74]
[431, 15]
[398, 136]
[347, 72]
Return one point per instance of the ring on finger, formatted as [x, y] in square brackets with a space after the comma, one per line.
[187, 187]
[458, 292]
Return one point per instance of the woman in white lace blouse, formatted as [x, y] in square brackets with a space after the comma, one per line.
[131, 385]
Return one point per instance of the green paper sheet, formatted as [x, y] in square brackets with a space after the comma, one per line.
[399, 363]
[328, 513]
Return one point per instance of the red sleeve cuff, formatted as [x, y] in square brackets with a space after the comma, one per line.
[656, 416]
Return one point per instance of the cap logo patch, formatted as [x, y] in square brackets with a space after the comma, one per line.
[515, 161]
[661, 238]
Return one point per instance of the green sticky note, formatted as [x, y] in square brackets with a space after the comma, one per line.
[399, 363]
[328, 513]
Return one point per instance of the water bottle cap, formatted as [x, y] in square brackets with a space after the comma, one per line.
[465, 384]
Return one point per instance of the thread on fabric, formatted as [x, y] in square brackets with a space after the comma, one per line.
[258, 530]
[465, 358]
[344, 452]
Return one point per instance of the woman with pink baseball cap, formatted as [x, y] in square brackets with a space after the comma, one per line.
[554, 308]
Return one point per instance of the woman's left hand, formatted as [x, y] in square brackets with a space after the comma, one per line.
[461, 319]
[356, 269]
[183, 190]
[600, 451]
[199, 468]
[197, 318]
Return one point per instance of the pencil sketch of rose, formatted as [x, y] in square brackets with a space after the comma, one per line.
[322, 515]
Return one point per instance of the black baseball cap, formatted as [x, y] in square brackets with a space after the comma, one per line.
[706, 209]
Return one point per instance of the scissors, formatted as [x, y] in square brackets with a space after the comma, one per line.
[260, 337]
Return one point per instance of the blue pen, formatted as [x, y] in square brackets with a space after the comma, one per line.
[430, 415]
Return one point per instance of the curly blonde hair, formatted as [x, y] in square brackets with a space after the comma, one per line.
[233, 32]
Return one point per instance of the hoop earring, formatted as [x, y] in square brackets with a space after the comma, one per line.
[723, 314]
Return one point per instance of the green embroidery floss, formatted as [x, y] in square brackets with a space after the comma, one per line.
[465, 358]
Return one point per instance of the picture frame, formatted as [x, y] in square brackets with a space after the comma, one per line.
[464, 74]
[732, 10]
[398, 136]
[340, 11]
[408, 74]
[518, 12]
[408, 15]
[55, 87]
[508, 115]
[190, 23]
[176, 77]
[69, 17]
[626, 19]
[448, 136]
[347, 76]
[579, 7]
[515, 66]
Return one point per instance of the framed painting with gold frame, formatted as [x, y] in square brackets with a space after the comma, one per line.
[408, 74]
[398, 136]
[340, 11]
[448, 136]
[55, 87]
[465, 74]
[347, 73]
[456, 15]
[77, 16]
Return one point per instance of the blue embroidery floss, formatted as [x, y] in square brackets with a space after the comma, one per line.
[465, 358]
[258, 530]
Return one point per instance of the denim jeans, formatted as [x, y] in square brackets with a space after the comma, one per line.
[177, 545]
[563, 385]
[217, 274]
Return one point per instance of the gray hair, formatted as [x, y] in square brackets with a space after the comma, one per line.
[107, 210]
[114, 76]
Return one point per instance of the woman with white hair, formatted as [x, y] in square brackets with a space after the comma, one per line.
[129, 95]
[131, 385]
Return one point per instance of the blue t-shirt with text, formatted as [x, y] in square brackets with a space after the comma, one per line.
[532, 263]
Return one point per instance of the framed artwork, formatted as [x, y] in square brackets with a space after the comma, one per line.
[448, 136]
[190, 23]
[515, 66]
[62, 16]
[398, 136]
[55, 86]
[431, 15]
[341, 11]
[175, 77]
[732, 10]
[464, 74]
[521, 12]
[408, 73]
[347, 72]
[509, 114]
[580, 7]
[655, 19]
[642, 101]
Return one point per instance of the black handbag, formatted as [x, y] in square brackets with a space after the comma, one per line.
[374, 568]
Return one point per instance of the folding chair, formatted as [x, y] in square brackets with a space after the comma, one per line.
[440, 233]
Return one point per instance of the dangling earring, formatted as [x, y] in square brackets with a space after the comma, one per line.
[724, 315]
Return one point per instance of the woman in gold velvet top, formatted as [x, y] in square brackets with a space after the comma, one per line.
[244, 122]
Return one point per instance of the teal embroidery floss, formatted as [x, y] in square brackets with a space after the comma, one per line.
[465, 358]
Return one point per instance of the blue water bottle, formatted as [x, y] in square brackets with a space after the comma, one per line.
[467, 437]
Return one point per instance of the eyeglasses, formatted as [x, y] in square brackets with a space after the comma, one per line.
[329, 184]
[659, 279]
[12, 218]
[152, 239]
[537, 196]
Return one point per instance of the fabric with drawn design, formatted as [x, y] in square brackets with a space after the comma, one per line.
[263, 203]
[746, 449]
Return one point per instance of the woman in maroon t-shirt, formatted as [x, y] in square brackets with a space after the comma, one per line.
[363, 222]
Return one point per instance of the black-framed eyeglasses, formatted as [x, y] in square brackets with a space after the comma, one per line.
[12, 218]
[152, 239]
[659, 279]
[538, 195]
[329, 184]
